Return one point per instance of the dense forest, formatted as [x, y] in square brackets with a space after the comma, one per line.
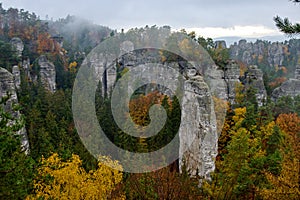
[258, 147]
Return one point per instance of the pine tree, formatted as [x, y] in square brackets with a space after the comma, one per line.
[286, 26]
[16, 168]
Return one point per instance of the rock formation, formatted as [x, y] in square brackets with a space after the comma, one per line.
[18, 45]
[198, 129]
[197, 132]
[254, 79]
[7, 87]
[223, 82]
[290, 87]
[17, 76]
[231, 76]
[215, 77]
[275, 54]
[47, 73]
[251, 53]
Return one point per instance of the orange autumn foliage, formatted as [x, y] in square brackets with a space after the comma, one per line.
[290, 124]
[140, 106]
[278, 81]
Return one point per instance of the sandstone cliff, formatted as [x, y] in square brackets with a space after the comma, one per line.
[290, 87]
[7, 87]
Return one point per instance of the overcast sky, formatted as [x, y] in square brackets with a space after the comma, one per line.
[209, 18]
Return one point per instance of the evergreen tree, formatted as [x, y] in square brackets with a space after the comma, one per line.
[16, 168]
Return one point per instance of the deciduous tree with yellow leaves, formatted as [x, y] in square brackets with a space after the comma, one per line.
[58, 179]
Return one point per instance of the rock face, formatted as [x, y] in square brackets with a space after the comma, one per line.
[102, 64]
[231, 76]
[47, 68]
[18, 45]
[17, 76]
[224, 82]
[7, 86]
[197, 133]
[254, 79]
[251, 53]
[47, 73]
[215, 77]
[290, 87]
[275, 54]
[27, 69]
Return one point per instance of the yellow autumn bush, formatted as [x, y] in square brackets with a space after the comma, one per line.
[59, 179]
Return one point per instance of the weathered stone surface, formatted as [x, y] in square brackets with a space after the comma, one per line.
[105, 70]
[17, 76]
[7, 87]
[275, 54]
[215, 78]
[126, 47]
[197, 133]
[231, 76]
[18, 45]
[254, 79]
[27, 70]
[250, 53]
[47, 73]
[290, 87]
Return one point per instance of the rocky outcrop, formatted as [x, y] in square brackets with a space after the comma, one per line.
[253, 53]
[47, 73]
[215, 78]
[223, 82]
[231, 77]
[275, 54]
[104, 70]
[7, 87]
[17, 76]
[18, 45]
[290, 87]
[254, 79]
[197, 133]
